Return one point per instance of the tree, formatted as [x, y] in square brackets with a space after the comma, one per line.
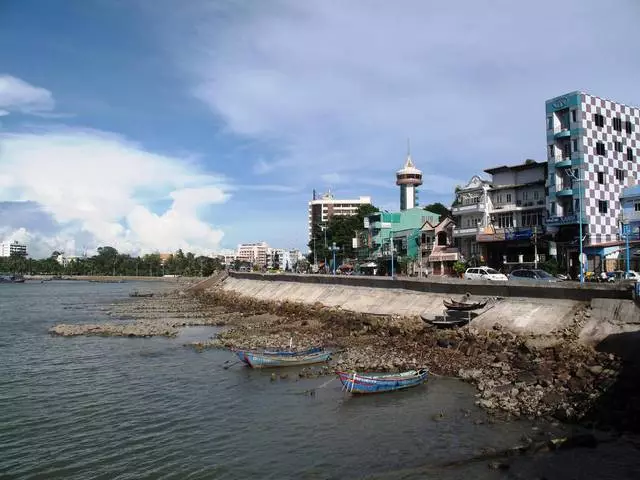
[439, 209]
[340, 230]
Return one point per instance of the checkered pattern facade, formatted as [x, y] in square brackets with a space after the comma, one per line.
[606, 157]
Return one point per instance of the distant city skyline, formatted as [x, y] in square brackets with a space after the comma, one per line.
[148, 128]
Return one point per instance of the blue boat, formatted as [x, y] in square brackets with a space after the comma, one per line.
[277, 353]
[382, 382]
[283, 359]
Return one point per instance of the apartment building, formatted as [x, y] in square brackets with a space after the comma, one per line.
[9, 249]
[323, 207]
[253, 253]
[500, 221]
[592, 149]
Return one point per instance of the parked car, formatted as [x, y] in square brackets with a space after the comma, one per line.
[619, 275]
[484, 273]
[532, 275]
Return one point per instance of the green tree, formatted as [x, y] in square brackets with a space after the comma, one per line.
[439, 209]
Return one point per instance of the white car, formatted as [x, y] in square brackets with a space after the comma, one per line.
[484, 273]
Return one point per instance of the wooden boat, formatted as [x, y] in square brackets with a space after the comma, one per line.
[282, 359]
[463, 307]
[141, 295]
[381, 382]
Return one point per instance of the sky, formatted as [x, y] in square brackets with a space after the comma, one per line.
[157, 125]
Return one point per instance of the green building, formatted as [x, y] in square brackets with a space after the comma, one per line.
[402, 228]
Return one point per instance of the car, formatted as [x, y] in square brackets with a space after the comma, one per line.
[532, 275]
[484, 273]
[619, 275]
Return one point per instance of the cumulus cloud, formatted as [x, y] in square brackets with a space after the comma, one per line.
[16, 95]
[102, 185]
[340, 85]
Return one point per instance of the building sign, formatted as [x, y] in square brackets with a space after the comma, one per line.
[519, 235]
[566, 220]
[560, 103]
[498, 236]
[366, 222]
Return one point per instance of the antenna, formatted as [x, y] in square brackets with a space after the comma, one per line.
[408, 147]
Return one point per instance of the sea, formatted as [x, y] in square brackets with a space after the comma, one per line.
[155, 408]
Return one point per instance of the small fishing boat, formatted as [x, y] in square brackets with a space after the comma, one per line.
[140, 295]
[277, 353]
[382, 382]
[451, 304]
[269, 359]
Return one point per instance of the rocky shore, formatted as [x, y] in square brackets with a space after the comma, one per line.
[533, 376]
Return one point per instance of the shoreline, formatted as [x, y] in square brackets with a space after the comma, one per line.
[518, 375]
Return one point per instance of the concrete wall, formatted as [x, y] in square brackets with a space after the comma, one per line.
[453, 286]
[520, 315]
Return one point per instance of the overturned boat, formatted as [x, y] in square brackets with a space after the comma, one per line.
[452, 304]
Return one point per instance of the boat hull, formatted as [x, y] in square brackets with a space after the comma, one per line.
[262, 360]
[364, 384]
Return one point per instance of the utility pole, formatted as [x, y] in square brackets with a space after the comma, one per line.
[578, 178]
[391, 249]
[535, 247]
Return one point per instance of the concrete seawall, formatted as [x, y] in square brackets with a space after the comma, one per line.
[521, 308]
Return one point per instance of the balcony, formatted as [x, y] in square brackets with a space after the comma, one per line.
[565, 191]
[474, 207]
[465, 232]
[564, 163]
[563, 133]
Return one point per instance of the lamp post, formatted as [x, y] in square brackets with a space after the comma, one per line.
[391, 250]
[578, 179]
[625, 232]
[334, 249]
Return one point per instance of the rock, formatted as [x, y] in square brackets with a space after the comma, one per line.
[498, 466]
[595, 369]
[486, 403]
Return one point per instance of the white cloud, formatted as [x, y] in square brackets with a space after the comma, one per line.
[339, 86]
[101, 184]
[16, 95]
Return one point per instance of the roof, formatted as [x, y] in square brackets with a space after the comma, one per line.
[517, 185]
[521, 166]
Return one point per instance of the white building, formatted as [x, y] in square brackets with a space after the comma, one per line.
[593, 149]
[8, 249]
[253, 253]
[322, 208]
[65, 260]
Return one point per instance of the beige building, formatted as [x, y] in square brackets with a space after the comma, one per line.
[325, 206]
[253, 253]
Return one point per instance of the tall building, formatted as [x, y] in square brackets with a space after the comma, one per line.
[8, 249]
[323, 207]
[470, 211]
[253, 253]
[409, 178]
[592, 148]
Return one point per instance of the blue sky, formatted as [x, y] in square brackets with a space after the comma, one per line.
[157, 125]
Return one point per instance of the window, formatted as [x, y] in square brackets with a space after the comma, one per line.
[617, 124]
[575, 145]
[566, 150]
[602, 206]
[508, 198]
[573, 115]
[549, 123]
[505, 220]
[636, 206]
[500, 198]
[576, 205]
[536, 195]
[598, 119]
[525, 195]
[628, 126]
[552, 151]
[619, 175]
[630, 154]
[618, 146]
[600, 148]
[531, 219]
[601, 178]
[553, 208]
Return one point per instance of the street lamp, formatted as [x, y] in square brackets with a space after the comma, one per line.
[391, 250]
[334, 249]
[578, 179]
[625, 231]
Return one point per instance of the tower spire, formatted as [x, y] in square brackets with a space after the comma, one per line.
[409, 162]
